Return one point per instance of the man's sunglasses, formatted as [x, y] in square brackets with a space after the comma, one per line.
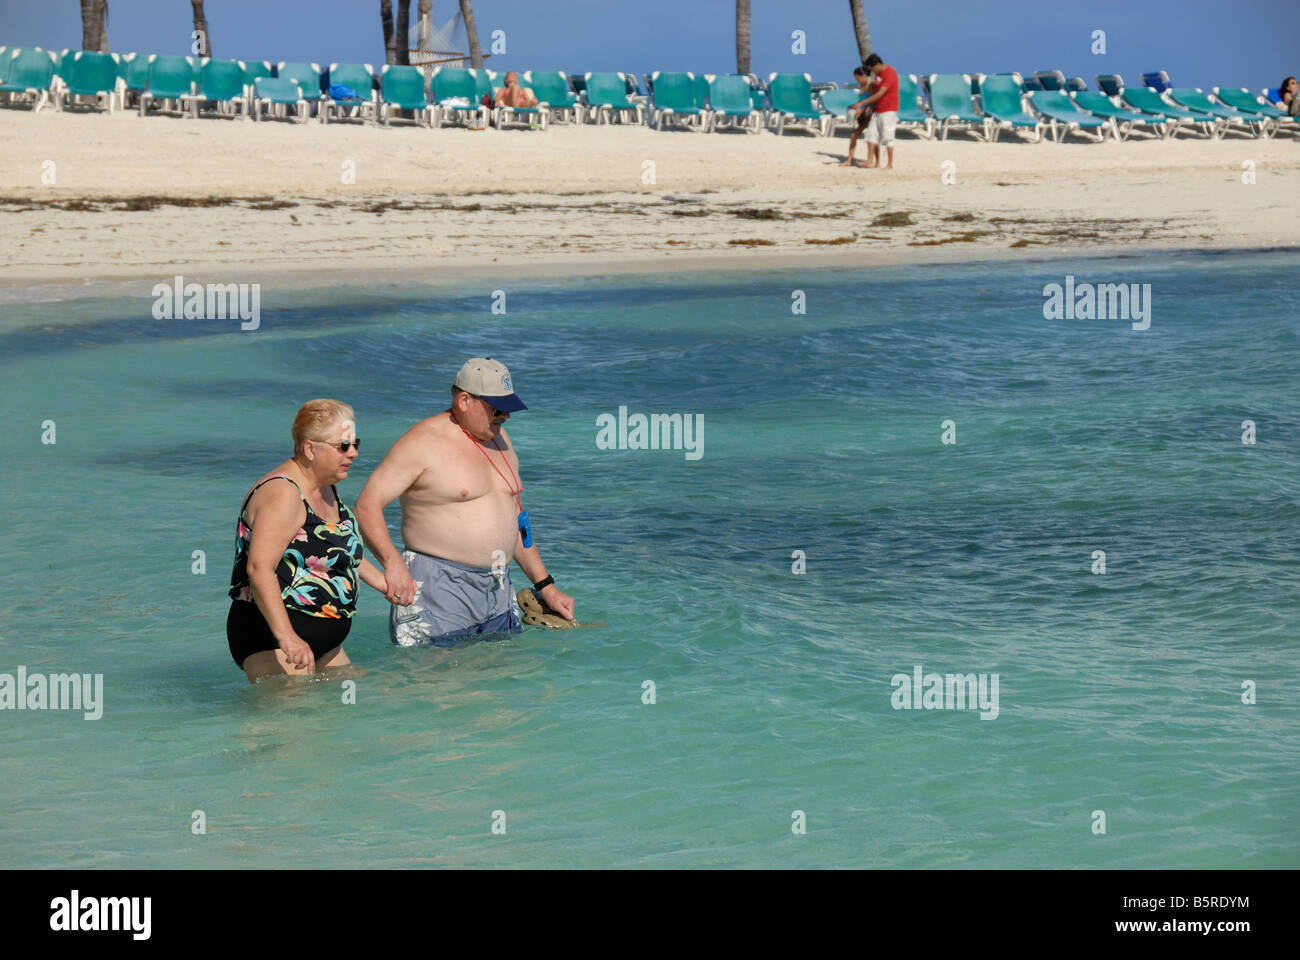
[495, 411]
[342, 445]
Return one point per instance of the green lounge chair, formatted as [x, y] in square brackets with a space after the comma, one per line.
[1242, 99]
[62, 67]
[912, 112]
[89, 73]
[702, 92]
[674, 100]
[1003, 99]
[6, 55]
[1064, 116]
[607, 99]
[360, 79]
[253, 69]
[135, 71]
[792, 102]
[730, 104]
[1124, 123]
[485, 83]
[170, 79]
[836, 103]
[1152, 103]
[1195, 100]
[455, 93]
[221, 83]
[402, 88]
[31, 74]
[1051, 79]
[551, 89]
[952, 105]
[273, 96]
[308, 78]
[533, 117]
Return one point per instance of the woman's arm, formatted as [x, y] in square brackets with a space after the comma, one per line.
[279, 516]
[373, 576]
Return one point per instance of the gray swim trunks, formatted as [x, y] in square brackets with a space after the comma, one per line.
[453, 603]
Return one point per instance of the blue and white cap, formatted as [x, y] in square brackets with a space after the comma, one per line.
[486, 378]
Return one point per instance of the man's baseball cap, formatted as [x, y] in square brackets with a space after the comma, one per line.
[486, 378]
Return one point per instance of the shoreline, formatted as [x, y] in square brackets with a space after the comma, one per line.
[141, 200]
[289, 279]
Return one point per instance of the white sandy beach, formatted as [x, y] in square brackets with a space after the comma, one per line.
[143, 198]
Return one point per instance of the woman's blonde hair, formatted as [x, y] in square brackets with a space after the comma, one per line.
[314, 416]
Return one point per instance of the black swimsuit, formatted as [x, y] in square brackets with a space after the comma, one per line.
[318, 583]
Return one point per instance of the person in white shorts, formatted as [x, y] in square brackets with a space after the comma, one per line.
[880, 131]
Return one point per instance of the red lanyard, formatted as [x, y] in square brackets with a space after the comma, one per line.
[513, 492]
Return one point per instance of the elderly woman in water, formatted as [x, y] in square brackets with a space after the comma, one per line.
[298, 553]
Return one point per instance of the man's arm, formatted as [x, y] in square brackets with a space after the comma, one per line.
[530, 561]
[396, 474]
[877, 95]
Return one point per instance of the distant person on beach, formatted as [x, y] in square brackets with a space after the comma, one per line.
[513, 95]
[1288, 94]
[880, 130]
[462, 518]
[862, 109]
[293, 589]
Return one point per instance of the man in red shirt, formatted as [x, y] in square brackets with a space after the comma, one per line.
[880, 131]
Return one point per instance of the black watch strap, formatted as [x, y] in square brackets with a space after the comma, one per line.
[541, 585]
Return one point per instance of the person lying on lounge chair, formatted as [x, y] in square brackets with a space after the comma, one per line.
[513, 95]
[1288, 97]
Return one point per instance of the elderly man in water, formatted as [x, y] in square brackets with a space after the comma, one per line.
[461, 494]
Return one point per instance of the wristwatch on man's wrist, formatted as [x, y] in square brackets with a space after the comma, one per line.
[541, 585]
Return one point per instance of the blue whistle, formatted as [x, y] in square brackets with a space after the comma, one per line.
[525, 531]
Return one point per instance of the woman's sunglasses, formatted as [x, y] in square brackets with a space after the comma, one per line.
[342, 445]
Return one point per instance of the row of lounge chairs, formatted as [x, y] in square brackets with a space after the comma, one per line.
[988, 105]
[1044, 105]
[985, 106]
[257, 89]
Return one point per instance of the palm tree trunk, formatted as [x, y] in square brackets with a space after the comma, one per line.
[471, 31]
[93, 34]
[742, 36]
[860, 28]
[201, 28]
[390, 42]
[404, 31]
[424, 24]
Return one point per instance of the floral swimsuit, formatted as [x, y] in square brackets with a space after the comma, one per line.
[318, 572]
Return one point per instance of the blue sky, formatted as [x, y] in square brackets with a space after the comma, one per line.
[1200, 42]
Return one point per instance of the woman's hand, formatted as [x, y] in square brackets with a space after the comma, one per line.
[298, 653]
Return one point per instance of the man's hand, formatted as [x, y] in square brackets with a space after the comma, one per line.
[557, 600]
[401, 586]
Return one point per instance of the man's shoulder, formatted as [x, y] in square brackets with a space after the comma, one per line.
[430, 429]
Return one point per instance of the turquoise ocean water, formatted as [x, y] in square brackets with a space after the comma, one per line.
[1119, 692]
